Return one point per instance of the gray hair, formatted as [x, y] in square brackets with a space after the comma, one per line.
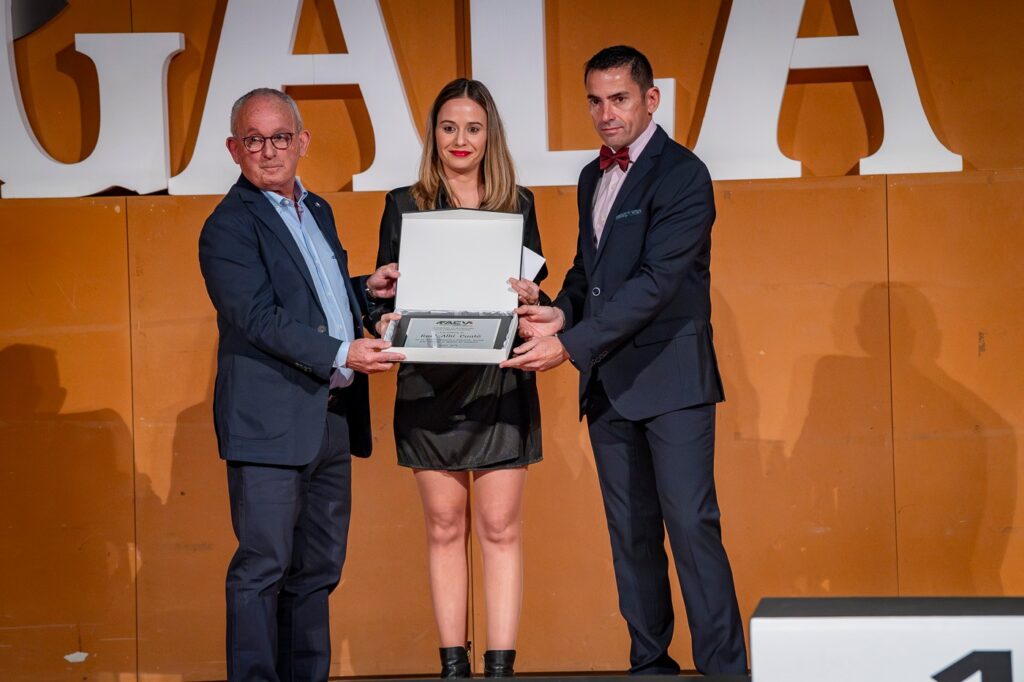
[236, 108]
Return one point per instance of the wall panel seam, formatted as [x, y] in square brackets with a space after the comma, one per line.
[892, 398]
[134, 431]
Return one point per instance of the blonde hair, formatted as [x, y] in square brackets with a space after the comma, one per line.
[497, 172]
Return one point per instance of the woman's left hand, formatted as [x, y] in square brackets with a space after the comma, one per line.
[385, 320]
[528, 290]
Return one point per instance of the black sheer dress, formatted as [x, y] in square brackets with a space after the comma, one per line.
[461, 417]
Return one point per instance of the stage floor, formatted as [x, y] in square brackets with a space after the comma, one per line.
[577, 677]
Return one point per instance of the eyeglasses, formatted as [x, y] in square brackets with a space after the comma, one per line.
[255, 143]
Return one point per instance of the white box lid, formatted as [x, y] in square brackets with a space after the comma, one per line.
[459, 259]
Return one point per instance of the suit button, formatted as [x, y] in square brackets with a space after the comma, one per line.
[596, 291]
[322, 329]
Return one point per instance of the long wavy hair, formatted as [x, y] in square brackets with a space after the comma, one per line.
[497, 172]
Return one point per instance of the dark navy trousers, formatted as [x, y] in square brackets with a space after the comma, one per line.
[658, 474]
[292, 527]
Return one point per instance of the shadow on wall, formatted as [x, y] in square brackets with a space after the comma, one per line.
[743, 460]
[181, 596]
[942, 458]
[66, 498]
[841, 467]
[832, 509]
[754, 507]
[956, 464]
[794, 506]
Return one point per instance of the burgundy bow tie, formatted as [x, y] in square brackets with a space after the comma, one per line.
[608, 157]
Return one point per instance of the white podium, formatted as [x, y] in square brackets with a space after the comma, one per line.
[894, 639]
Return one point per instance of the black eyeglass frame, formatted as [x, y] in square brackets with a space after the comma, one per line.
[280, 141]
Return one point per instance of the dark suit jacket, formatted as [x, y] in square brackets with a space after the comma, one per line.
[638, 306]
[274, 359]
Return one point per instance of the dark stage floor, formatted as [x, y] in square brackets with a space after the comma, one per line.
[578, 677]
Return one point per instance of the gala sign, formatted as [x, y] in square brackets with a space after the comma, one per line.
[738, 136]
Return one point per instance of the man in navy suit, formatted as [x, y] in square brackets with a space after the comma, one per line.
[291, 402]
[634, 316]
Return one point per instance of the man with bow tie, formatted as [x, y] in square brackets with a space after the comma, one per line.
[634, 317]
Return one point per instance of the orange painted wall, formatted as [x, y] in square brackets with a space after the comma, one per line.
[956, 305]
[867, 329]
[67, 486]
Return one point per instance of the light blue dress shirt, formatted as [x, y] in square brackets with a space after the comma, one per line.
[326, 274]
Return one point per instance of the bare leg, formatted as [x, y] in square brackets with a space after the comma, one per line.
[498, 519]
[445, 497]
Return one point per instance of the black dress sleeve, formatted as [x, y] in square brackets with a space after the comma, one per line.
[387, 252]
[531, 237]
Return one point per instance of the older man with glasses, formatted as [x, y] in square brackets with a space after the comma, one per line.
[291, 402]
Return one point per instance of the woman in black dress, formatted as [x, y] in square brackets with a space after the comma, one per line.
[454, 421]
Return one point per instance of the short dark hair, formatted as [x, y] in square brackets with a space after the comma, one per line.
[623, 55]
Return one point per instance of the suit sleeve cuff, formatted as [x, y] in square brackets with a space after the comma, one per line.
[578, 352]
[566, 309]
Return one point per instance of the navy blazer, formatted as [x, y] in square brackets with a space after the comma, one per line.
[638, 305]
[274, 358]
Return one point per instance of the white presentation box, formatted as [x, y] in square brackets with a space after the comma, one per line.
[888, 639]
[454, 297]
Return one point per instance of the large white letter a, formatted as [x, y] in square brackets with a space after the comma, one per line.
[739, 135]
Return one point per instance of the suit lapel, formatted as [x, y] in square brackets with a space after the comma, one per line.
[588, 187]
[267, 214]
[634, 177]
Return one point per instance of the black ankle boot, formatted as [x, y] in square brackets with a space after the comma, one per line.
[499, 663]
[454, 661]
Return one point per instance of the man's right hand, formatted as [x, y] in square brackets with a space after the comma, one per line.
[539, 320]
[368, 356]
